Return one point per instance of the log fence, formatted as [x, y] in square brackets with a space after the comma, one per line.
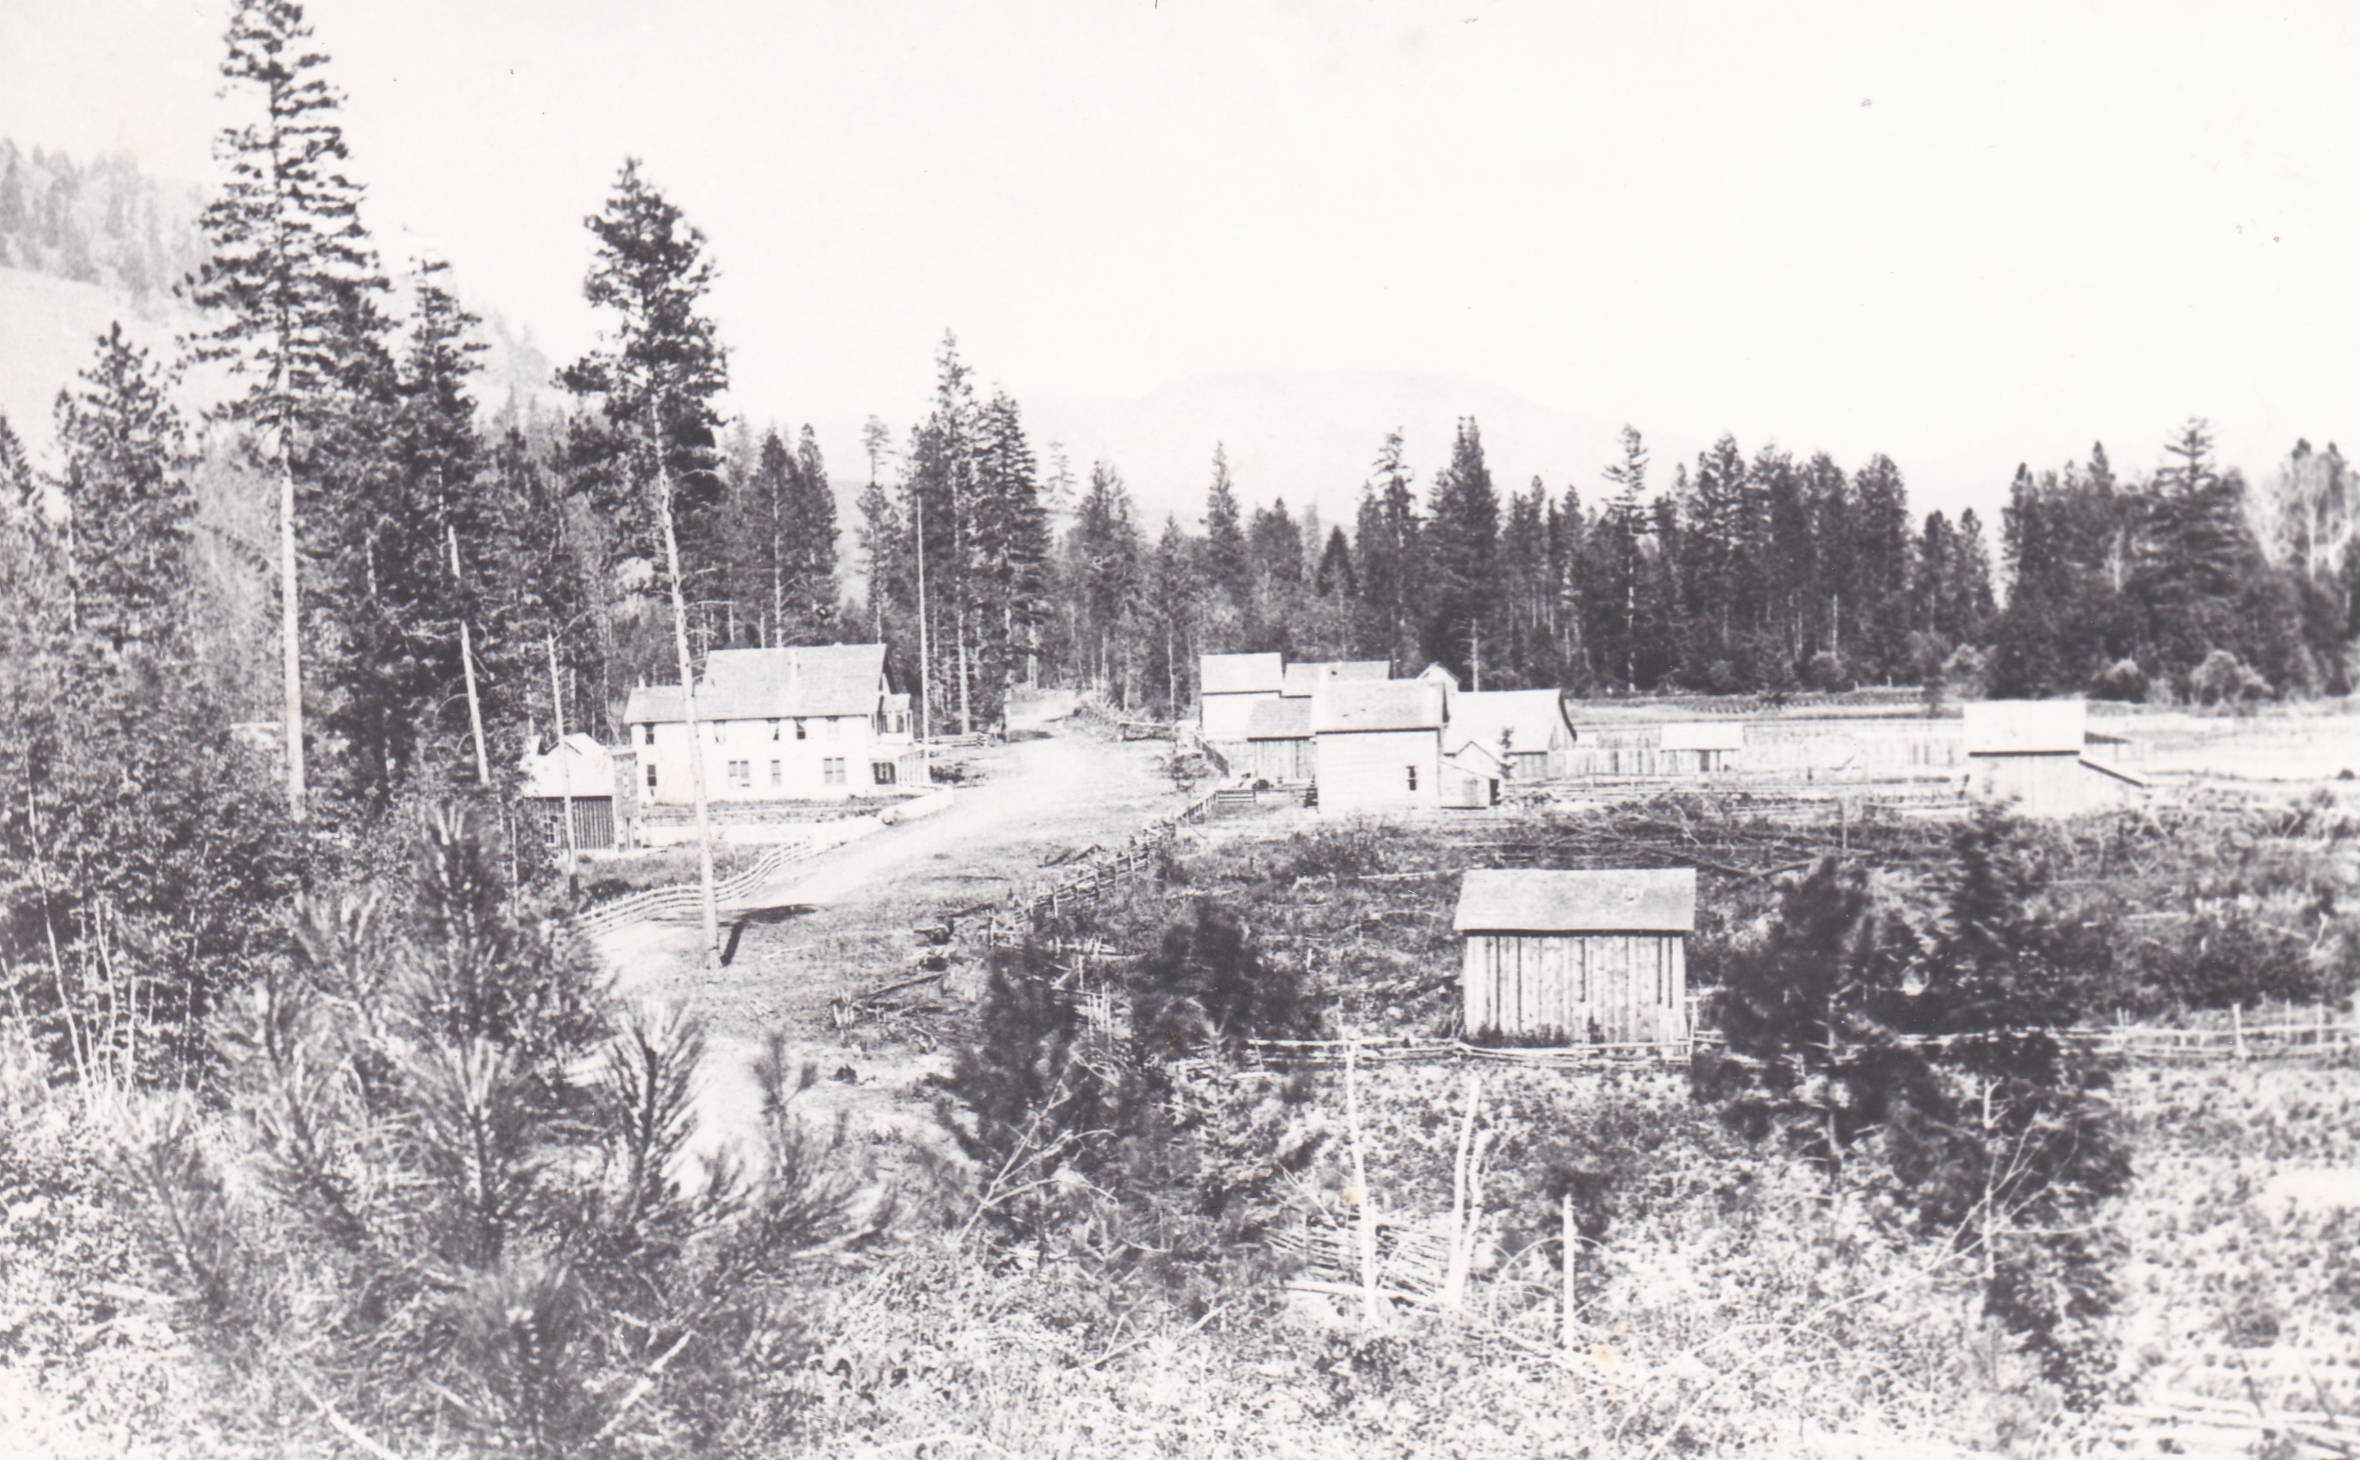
[684, 899]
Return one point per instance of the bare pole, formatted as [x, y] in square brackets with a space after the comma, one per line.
[290, 645]
[688, 694]
[925, 661]
[573, 853]
[483, 763]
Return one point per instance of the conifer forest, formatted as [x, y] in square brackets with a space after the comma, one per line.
[546, 912]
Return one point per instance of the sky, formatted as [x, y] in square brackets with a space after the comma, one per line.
[1965, 236]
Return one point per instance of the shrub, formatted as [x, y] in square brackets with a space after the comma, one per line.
[457, 1199]
[2122, 680]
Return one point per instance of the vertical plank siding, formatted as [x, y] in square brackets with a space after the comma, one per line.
[1612, 988]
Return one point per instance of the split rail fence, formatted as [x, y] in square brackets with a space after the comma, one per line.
[1008, 924]
[684, 899]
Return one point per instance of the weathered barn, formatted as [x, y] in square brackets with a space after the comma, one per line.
[582, 770]
[1572, 957]
[1526, 728]
[1379, 745]
[812, 722]
[1228, 688]
[2035, 753]
[1278, 735]
[1304, 680]
[1705, 746]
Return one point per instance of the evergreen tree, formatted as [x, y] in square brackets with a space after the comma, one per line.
[1463, 534]
[1228, 563]
[128, 500]
[292, 285]
[409, 608]
[1388, 544]
[1615, 561]
[1102, 553]
[657, 380]
[814, 539]
[1008, 554]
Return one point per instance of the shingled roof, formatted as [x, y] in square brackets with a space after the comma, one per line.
[1528, 718]
[1302, 680]
[1395, 704]
[1229, 674]
[1619, 901]
[772, 684]
[1279, 720]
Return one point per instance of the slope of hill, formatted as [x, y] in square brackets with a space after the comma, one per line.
[48, 326]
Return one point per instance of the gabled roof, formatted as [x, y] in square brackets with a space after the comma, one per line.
[578, 759]
[773, 684]
[1233, 674]
[1302, 679]
[1478, 759]
[1394, 704]
[1279, 720]
[1705, 735]
[2026, 727]
[1632, 901]
[1528, 719]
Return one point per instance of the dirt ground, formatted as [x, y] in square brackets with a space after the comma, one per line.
[844, 923]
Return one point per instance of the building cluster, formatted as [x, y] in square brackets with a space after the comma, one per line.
[778, 732]
[1370, 742]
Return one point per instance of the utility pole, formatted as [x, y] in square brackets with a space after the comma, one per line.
[573, 852]
[688, 694]
[483, 764]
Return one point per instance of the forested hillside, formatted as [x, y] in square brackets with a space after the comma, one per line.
[99, 222]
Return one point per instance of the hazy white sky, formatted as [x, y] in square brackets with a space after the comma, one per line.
[1965, 235]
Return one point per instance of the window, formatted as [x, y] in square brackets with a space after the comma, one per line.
[884, 770]
[741, 774]
[642, 734]
[835, 728]
[1413, 777]
[901, 723]
[801, 731]
[778, 775]
[774, 729]
[651, 777]
[831, 771]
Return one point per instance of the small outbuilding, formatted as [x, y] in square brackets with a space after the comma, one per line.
[1278, 737]
[583, 771]
[2035, 753]
[1526, 728]
[1228, 688]
[1577, 957]
[1379, 745]
[1471, 776]
[1701, 748]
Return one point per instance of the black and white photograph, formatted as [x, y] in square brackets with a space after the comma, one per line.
[1087, 729]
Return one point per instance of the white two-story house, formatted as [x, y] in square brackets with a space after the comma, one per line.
[809, 723]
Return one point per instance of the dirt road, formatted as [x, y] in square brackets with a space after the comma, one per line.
[847, 917]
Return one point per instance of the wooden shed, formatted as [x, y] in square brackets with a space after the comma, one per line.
[1526, 728]
[1575, 957]
[580, 770]
[1278, 734]
[1702, 747]
[1228, 688]
[2035, 753]
[1379, 746]
[1471, 776]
